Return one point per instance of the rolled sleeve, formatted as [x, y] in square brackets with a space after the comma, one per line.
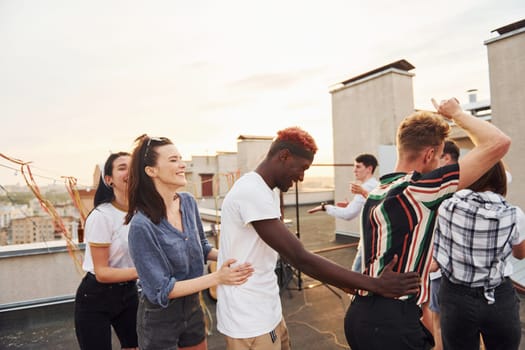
[206, 249]
[161, 297]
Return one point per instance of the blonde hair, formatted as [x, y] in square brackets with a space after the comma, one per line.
[420, 130]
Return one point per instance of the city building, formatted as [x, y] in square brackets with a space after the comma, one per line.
[9, 212]
[34, 229]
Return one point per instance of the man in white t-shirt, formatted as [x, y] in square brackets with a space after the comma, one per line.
[364, 167]
[250, 315]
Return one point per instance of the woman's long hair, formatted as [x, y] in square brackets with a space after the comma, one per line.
[142, 194]
[495, 180]
[105, 192]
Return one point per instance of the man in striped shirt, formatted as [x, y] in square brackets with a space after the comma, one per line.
[399, 216]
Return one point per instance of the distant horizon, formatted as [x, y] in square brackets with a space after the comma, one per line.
[46, 187]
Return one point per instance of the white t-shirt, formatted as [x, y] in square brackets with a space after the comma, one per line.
[105, 225]
[253, 308]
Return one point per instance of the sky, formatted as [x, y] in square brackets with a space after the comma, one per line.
[81, 79]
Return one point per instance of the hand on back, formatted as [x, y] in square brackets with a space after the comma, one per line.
[234, 275]
[395, 284]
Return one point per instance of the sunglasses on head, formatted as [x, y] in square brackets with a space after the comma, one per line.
[156, 139]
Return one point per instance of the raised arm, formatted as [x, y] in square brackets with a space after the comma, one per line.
[490, 143]
[389, 284]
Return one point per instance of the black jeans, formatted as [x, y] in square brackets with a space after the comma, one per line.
[98, 306]
[378, 323]
[465, 314]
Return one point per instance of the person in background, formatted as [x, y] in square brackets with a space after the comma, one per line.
[364, 167]
[169, 248]
[250, 315]
[431, 307]
[476, 233]
[107, 295]
[399, 216]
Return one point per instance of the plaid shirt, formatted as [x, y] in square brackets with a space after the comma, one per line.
[474, 237]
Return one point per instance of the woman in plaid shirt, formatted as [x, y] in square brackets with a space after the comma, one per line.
[477, 231]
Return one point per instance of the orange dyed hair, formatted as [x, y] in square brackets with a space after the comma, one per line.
[297, 136]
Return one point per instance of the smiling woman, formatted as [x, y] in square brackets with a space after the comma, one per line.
[169, 248]
[109, 287]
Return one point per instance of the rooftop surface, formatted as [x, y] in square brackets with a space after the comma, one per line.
[314, 313]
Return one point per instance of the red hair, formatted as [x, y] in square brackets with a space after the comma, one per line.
[298, 136]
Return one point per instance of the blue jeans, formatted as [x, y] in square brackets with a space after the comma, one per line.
[465, 314]
[356, 266]
[434, 295]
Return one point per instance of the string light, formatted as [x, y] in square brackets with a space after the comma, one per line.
[16, 171]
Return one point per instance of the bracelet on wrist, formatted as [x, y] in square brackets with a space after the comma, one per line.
[323, 204]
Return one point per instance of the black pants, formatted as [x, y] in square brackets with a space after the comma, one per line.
[377, 323]
[465, 314]
[98, 306]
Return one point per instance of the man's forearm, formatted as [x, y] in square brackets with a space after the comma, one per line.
[481, 132]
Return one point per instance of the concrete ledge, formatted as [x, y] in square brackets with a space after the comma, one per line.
[50, 247]
[36, 303]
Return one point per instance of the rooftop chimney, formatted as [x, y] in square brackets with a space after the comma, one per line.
[472, 95]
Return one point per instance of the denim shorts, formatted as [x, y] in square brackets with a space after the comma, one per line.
[180, 324]
[434, 295]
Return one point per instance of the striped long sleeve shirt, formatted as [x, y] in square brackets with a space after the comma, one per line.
[399, 217]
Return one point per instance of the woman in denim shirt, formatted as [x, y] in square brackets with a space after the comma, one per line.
[169, 249]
